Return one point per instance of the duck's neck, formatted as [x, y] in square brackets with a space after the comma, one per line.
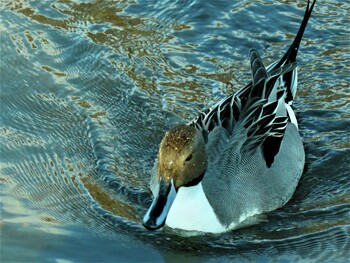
[192, 211]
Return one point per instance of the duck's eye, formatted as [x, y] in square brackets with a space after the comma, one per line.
[189, 157]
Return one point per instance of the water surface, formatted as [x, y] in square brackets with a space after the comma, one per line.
[88, 89]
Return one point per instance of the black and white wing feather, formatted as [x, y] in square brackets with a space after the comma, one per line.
[255, 110]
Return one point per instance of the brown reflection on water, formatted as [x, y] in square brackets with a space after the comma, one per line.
[108, 203]
[141, 42]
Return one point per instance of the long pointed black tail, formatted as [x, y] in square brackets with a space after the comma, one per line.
[291, 54]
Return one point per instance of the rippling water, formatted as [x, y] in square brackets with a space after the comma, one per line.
[88, 89]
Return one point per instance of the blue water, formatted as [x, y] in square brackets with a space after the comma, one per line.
[88, 89]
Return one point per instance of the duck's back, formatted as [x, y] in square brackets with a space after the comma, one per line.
[240, 185]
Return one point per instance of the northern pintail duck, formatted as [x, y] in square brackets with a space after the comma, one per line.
[241, 158]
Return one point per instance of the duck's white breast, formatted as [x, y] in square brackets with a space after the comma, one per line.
[192, 211]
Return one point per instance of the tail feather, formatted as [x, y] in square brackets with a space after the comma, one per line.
[291, 54]
[291, 78]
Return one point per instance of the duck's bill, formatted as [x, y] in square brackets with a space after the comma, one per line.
[158, 211]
